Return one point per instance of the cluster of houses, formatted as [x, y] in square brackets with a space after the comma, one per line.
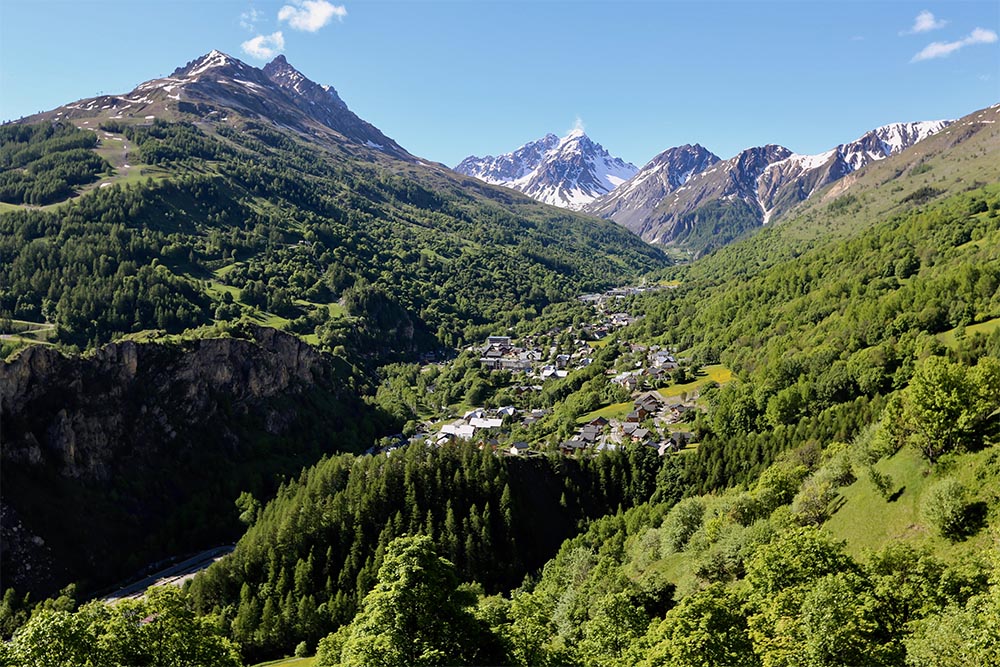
[478, 423]
[603, 299]
[655, 372]
[601, 433]
[650, 416]
[499, 353]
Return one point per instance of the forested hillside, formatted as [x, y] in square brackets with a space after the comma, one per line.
[250, 221]
[824, 494]
[198, 230]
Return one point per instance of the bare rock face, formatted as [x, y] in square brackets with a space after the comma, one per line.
[143, 447]
[83, 412]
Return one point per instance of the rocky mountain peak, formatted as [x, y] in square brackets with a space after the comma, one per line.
[215, 64]
[281, 72]
[568, 171]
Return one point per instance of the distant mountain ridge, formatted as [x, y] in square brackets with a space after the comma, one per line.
[665, 173]
[716, 201]
[569, 172]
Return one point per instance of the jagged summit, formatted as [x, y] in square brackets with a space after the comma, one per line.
[570, 171]
[662, 175]
[214, 60]
[217, 86]
[282, 73]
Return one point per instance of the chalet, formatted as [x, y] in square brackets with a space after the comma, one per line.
[640, 435]
[590, 433]
[562, 360]
[506, 411]
[651, 398]
[640, 413]
[484, 423]
[552, 372]
[501, 341]
[681, 439]
[459, 430]
[599, 422]
[658, 375]
[519, 448]
[666, 447]
[571, 447]
[677, 412]
[663, 359]
[621, 319]
[627, 380]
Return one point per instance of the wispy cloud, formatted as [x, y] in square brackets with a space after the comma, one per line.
[249, 19]
[943, 49]
[578, 125]
[264, 47]
[310, 15]
[925, 22]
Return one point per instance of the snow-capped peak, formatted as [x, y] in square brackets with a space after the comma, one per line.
[899, 136]
[210, 61]
[568, 171]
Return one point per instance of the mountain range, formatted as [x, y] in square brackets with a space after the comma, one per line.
[686, 195]
[754, 188]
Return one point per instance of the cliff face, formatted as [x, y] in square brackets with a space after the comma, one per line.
[83, 414]
[138, 450]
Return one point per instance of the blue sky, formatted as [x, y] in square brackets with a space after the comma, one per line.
[449, 79]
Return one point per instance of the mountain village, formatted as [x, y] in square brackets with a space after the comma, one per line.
[654, 420]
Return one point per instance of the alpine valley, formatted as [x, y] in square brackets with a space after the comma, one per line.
[273, 385]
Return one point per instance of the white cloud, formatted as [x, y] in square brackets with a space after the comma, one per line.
[925, 22]
[310, 15]
[249, 18]
[578, 125]
[264, 47]
[942, 49]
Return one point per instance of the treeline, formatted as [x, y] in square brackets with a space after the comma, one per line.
[42, 164]
[312, 553]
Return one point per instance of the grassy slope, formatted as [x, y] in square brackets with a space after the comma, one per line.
[867, 521]
[289, 662]
[951, 336]
[962, 156]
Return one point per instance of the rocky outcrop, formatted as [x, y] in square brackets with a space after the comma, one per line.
[136, 451]
[81, 414]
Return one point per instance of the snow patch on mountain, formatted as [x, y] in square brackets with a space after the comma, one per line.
[571, 171]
